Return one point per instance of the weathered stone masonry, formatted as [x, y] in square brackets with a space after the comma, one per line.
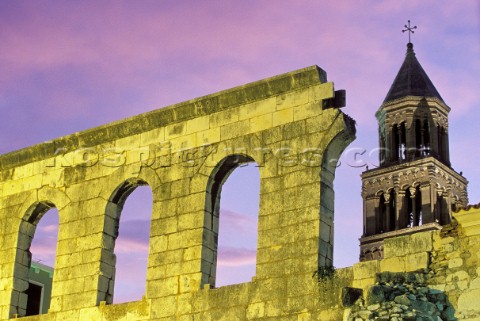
[446, 260]
[287, 124]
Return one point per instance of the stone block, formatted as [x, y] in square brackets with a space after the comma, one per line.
[417, 261]
[92, 313]
[260, 123]
[255, 109]
[307, 111]
[153, 136]
[321, 92]
[209, 136]
[455, 263]
[469, 220]
[127, 143]
[282, 117]
[198, 124]
[256, 310]
[393, 264]
[234, 130]
[292, 99]
[224, 117]
[408, 244]
[366, 270]
[174, 130]
[468, 302]
[183, 142]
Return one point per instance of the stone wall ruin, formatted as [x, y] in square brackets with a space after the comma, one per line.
[290, 127]
[287, 124]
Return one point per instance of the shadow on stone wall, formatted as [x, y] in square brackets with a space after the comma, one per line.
[401, 296]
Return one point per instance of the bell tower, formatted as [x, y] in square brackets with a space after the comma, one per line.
[414, 188]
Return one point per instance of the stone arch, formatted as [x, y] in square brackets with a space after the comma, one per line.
[405, 186]
[34, 208]
[130, 173]
[338, 142]
[366, 254]
[113, 210]
[456, 203]
[216, 179]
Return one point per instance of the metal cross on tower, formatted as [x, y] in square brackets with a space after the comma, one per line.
[410, 30]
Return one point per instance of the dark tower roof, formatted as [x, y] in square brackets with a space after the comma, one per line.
[411, 80]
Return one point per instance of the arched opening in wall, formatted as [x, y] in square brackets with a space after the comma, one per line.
[418, 138]
[442, 144]
[455, 204]
[414, 206]
[231, 226]
[35, 260]
[391, 209]
[402, 149]
[443, 213]
[383, 146]
[426, 136]
[417, 218]
[383, 213]
[127, 232]
[446, 157]
[396, 142]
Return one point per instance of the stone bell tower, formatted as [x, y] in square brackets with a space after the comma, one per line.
[414, 188]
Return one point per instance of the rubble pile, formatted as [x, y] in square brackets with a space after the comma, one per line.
[402, 297]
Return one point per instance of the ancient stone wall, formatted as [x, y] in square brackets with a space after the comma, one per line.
[428, 274]
[289, 125]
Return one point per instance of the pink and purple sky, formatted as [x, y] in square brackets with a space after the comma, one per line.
[71, 65]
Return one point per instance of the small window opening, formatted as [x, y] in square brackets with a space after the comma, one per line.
[396, 142]
[38, 238]
[442, 143]
[382, 215]
[391, 209]
[402, 150]
[414, 207]
[418, 138]
[426, 137]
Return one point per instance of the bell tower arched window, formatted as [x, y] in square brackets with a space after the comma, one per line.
[426, 137]
[396, 142]
[382, 215]
[413, 199]
[399, 140]
[402, 150]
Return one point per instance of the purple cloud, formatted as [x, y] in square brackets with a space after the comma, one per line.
[229, 256]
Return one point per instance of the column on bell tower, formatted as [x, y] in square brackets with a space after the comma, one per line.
[427, 203]
[411, 148]
[372, 214]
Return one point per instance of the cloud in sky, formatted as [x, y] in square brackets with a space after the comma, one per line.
[86, 63]
[230, 256]
[129, 245]
[68, 66]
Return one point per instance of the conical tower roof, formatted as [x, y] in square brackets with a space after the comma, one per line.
[411, 80]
